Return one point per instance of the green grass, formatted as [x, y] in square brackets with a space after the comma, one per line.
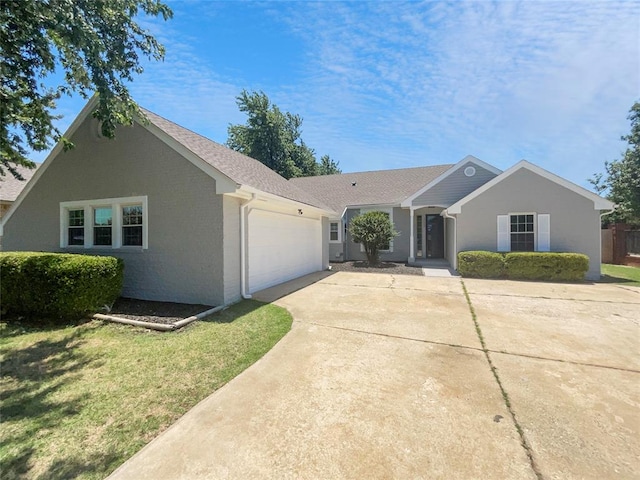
[78, 401]
[621, 274]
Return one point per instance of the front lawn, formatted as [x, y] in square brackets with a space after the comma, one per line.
[77, 401]
[621, 274]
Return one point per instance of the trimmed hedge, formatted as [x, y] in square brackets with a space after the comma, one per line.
[546, 266]
[58, 285]
[481, 264]
[524, 265]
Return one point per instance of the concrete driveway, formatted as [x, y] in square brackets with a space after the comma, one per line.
[386, 377]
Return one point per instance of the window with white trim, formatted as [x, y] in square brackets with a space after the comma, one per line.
[522, 232]
[75, 229]
[104, 223]
[334, 232]
[132, 225]
[102, 226]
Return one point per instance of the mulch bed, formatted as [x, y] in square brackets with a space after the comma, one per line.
[155, 312]
[393, 268]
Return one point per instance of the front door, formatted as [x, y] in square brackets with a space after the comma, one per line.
[435, 236]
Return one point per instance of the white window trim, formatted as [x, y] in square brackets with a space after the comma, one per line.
[339, 222]
[385, 210]
[535, 228]
[116, 205]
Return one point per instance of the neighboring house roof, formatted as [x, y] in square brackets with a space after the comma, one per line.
[599, 203]
[381, 187]
[239, 168]
[10, 187]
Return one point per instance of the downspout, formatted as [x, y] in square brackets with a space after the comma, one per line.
[445, 214]
[243, 247]
[600, 237]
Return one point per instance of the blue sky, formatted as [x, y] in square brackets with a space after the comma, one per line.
[403, 84]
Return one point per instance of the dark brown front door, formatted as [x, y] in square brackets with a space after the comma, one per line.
[435, 236]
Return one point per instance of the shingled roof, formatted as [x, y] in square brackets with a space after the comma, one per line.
[381, 187]
[10, 187]
[238, 167]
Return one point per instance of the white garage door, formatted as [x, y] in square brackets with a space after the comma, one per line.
[282, 247]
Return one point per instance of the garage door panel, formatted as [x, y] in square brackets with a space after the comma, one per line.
[282, 247]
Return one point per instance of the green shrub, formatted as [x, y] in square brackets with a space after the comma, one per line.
[374, 230]
[58, 285]
[546, 266]
[480, 264]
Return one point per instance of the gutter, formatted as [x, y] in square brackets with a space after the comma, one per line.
[243, 247]
[445, 214]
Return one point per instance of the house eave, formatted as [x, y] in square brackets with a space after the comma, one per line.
[599, 203]
[246, 191]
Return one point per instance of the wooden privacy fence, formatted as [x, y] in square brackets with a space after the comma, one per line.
[633, 241]
[618, 242]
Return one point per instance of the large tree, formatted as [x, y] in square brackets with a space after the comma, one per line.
[273, 138]
[621, 182]
[93, 45]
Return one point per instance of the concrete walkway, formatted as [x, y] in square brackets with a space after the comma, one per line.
[385, 377]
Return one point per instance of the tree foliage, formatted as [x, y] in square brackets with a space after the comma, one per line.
[621, 182]
[274, 138]
[374, 231]
[96, 44]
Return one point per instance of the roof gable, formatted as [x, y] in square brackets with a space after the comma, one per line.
[229, 168]
[408, 202]
[234, 166]
[599, 203]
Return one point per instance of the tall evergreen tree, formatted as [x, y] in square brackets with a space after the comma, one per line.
[274, 138]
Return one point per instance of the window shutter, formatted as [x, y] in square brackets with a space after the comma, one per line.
[544, 232]
[504, 237]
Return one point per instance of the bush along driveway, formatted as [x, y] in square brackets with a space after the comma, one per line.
[78, 401]
[386, 376]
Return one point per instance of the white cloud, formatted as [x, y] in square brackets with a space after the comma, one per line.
[550, 81]
[390, 84]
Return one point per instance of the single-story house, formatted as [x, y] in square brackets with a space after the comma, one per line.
[197, 222]
[445, 209]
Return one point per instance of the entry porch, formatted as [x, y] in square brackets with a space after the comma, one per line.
[431, 239]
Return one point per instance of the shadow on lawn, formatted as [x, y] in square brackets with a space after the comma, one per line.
[234, 312]
[612, 279]
[30, 380]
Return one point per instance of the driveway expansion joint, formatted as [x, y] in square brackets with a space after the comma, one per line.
[523, 439]
[388, 335]
[564, 299]
[391, 287]
[559, 360]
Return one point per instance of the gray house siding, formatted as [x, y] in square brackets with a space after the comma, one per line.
[575, 224]
[231, 239]
[454, 187]
[401, 221]
[325, 243]
[336, 252]
[449, 241]
[184, 259]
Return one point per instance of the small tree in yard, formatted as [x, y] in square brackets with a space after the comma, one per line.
[374, 231]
